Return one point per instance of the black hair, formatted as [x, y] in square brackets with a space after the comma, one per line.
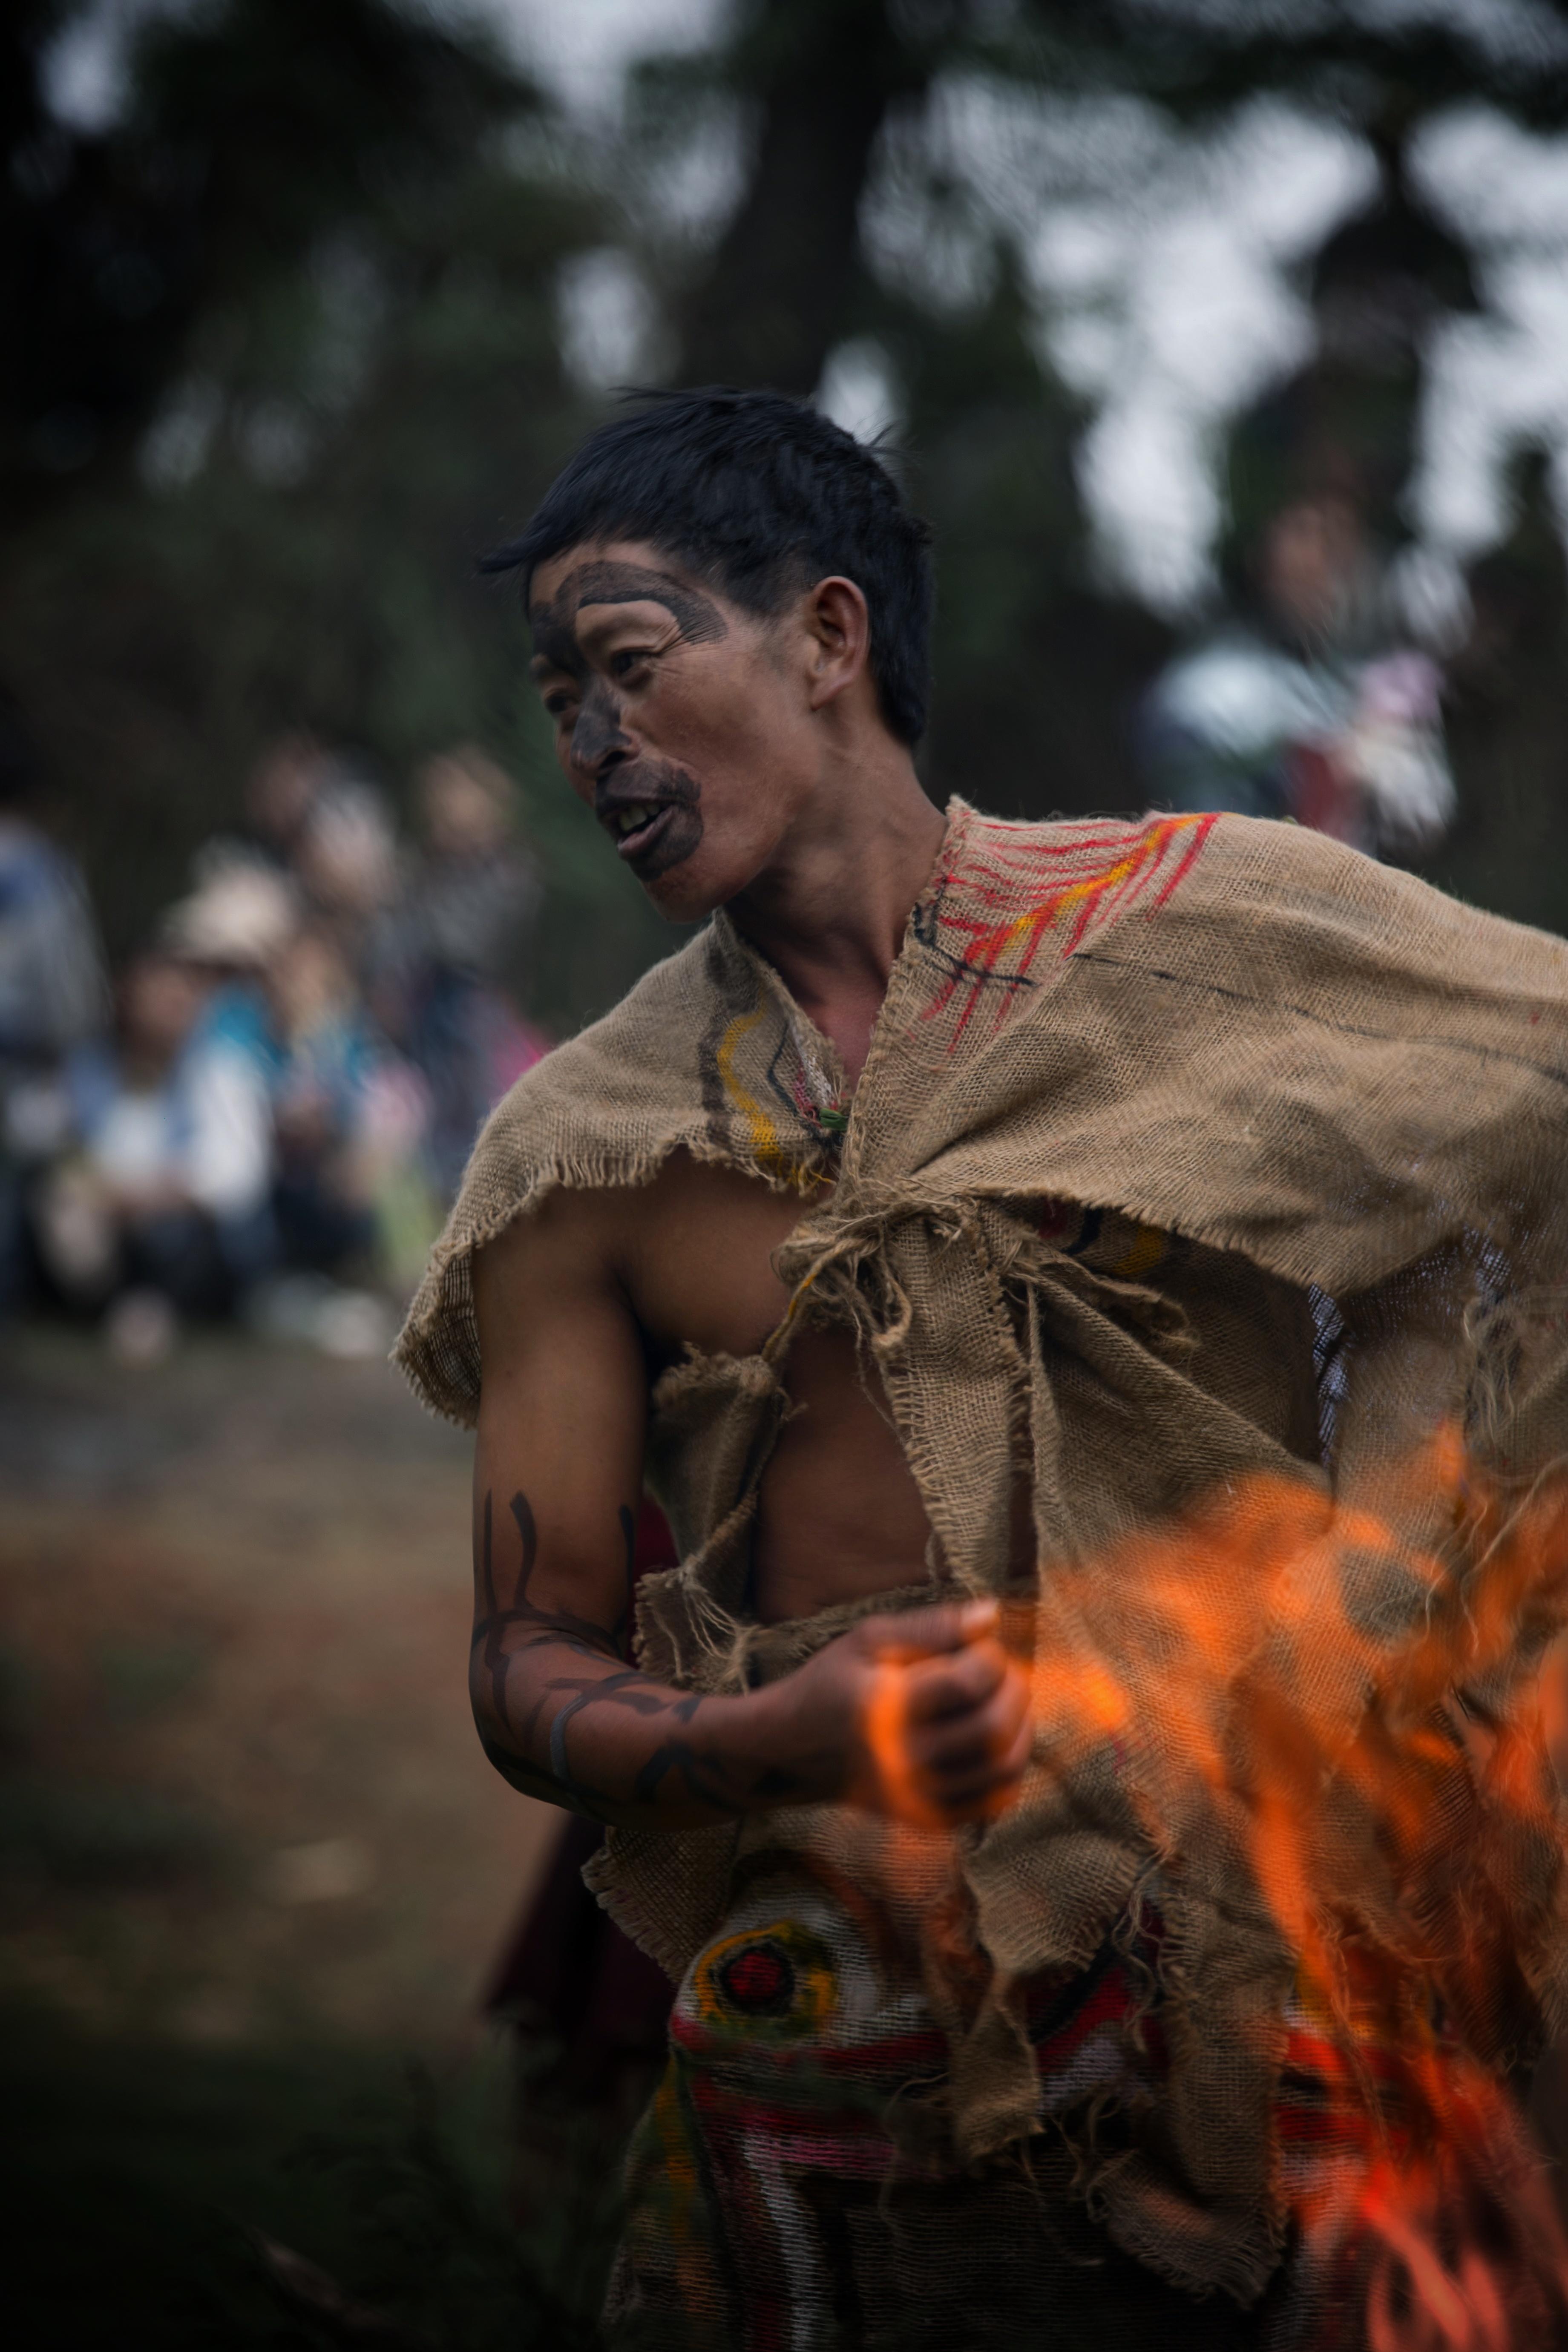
[760, 495]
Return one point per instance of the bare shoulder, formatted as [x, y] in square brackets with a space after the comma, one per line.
[682, 1260]
[547, 1288]
[560, 1253]
[563, 1384]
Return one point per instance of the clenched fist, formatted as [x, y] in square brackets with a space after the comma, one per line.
[922, 1717]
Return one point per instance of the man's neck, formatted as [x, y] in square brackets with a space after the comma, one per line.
[831, 911]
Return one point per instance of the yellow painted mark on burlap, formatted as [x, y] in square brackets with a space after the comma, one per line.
[1147, 852]
[1094, 885]
[1073, 894]
[812, 1988]
[1141, 1256]
[687, 2226]
[761, 1134]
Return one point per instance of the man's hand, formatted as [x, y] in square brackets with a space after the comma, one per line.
[922, 1717]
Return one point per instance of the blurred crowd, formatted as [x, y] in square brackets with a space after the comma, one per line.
[267, 1112]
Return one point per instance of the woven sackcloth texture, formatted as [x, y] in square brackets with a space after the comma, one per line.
[1159, 1121]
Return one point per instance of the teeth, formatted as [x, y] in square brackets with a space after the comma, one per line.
[628, 820]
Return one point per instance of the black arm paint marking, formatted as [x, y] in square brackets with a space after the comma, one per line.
[612, 1686]
[708, 1777]
[560, 1624]
[528, 1531]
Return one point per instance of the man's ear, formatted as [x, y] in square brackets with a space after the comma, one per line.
[838, 626]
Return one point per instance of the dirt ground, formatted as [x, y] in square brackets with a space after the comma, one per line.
[242, 1801]
[252, 1865]
[254, 1876]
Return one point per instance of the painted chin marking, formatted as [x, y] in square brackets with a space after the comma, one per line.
[671, 837]
[671, 833]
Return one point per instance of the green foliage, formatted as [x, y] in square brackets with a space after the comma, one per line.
[368, 393]
[1033, 671]
[341, 381]
[1510, 849]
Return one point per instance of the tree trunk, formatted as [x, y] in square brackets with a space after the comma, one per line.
[779, 294]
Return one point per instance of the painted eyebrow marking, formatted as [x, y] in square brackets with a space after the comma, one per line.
[554, 647]
[699, 620]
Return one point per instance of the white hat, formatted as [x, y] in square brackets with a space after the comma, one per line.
[240, 915]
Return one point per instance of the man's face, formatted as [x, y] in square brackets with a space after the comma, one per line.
[680, 720]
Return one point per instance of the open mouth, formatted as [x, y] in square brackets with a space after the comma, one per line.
[638, 826]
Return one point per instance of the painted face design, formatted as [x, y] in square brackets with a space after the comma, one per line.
[650, 807]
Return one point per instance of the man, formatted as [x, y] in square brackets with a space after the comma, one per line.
[1302, 704]
[956, 1224]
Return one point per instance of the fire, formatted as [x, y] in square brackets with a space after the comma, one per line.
[1362, 1718]
[898, 1794]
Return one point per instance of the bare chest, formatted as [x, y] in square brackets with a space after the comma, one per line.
[697, 1260]
[838, 1511]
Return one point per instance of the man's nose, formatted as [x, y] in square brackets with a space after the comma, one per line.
[597, 742]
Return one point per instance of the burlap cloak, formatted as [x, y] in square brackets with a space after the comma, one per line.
[1328, 1108]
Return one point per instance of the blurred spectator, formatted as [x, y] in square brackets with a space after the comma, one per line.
[52, 996]
[1306, 709]
[324, 1062]
[346, 1116]
[458, 935]
[314, 822]
[163, 1208]
[230, 930]
[279, 793]
[250, 1138]
[233, 924]
[346, 864]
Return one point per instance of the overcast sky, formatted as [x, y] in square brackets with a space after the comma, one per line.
[1169, 298]
[1166, 268]
[582, 50]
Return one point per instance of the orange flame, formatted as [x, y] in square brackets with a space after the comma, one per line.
[1361, 1717]
[885, 1729]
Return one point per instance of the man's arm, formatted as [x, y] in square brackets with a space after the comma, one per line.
[557, 1480]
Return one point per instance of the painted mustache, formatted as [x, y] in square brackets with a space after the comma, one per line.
[654, 815]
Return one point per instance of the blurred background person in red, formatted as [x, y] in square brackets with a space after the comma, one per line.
[1304, 702]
